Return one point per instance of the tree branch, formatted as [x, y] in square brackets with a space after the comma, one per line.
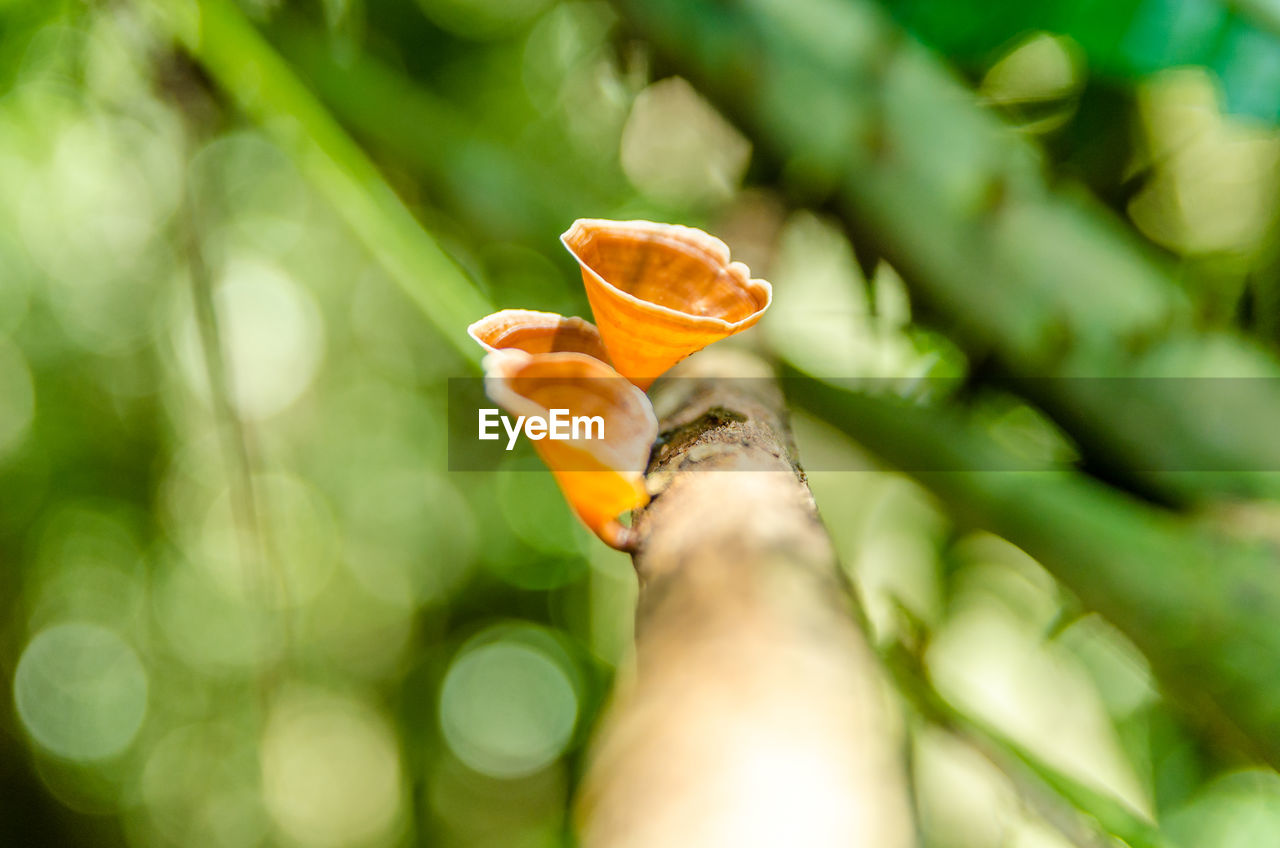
[233, 52]
[754, 715]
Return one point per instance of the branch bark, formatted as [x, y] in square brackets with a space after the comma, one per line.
[753, 715]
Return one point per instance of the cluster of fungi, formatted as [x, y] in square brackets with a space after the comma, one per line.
[658, 293]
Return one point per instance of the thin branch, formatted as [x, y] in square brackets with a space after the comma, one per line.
[519, 193]
[266, 590]
[264, 86]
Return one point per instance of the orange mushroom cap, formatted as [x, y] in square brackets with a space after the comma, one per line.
[660, 292]
[600, 478]
[537, 332]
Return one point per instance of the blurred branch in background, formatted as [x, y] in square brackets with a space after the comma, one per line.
[490, 187]
[1202, 607]
[1042, 280]
[228, 46]
[1084, 815]
[266, 590]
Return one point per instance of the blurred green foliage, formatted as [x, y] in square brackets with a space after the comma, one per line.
[243, 602]
[1124, 40]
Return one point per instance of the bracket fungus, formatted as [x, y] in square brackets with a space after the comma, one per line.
[537, 332]
[601, 478]
[659, 292]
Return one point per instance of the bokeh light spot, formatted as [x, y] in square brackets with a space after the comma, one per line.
[199, 788]
[300, 553]
[411, 537]
[1239, 810]
[81, 691]
[206, 628]
[1213, 177]
[676, 148]
[1036, 83]
[330, 771]
[560, 44]
[272, 334]
[97, 190]
[253, 187]
[507, 709]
